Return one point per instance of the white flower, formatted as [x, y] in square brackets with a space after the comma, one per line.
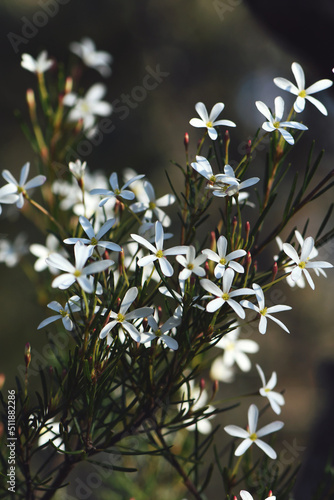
[191, 264]
[150, 205]
[303, 262]
[265, 312]
[193, 399]
[22, 186]
[50, 432]
[8, 195]
[247, 496]
[158, 253]
[123, 192]
[77, 169]
[203, 167]
[11, 253]
[275, 399]
[300, 282]
[93, 239]
[85, 108]
[300, 90]
[225, 295]
[39, 65]
[210, 122]
[235, 350]
[71, 306]
[220, 371]
[251, 435]
[224, 260]
[77, 272]
[99, 60]
[42, 252]
[122, 318]
[275, 123]
[161, 331]
[221, 188]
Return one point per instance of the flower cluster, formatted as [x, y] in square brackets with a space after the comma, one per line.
[143, 311]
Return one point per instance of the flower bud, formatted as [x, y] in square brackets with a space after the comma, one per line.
[274, 271]
[27, 354]
[68, 85]
[215, 386]
[227, 136]
[160, 313]
[31, 100]
[2, 380]
[213, 241]
[186, 141]
[249, 148]
[202, 384]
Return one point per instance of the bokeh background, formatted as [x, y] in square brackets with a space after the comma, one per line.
[212, 50]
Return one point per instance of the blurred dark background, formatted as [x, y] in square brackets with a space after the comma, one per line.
[220, 50]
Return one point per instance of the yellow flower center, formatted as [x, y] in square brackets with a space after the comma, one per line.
[264, 311]
[158, 332]
[209, 124]
[222, 261]
[93, 241]
[151, 205]
[20, 189]
[225, 296]
[253, 436]
[302, 93]
[302, 264]
[276, 124]
[77, 273]
[190, 266]
[63, 313]
[120, 318]
[212, 179]
[117, 192]
[159, 254]
[267, 390]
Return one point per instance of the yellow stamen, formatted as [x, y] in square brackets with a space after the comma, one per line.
[225, 296]
[159, 254]
[302, 93]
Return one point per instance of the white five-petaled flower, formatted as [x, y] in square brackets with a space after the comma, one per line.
[209, 122]
[251, 435]
[247, 496]
[225, 295]
[8, 195]
[85, 108]
[265, 312]
[191, 264]
[39, 65]
[303, 262]
[158, 253]
[203, 167]
[42, 252]
[115, 191]
[22, 186]
[12, 252]
[93, 239]
[77, 169]
[150, 205]
[77, 272]
[275, 399]
[71, 306]
[235, 351]
[50, 432]
[300, 90]
[221, 188]
[224, 260]
[161, 331]
[122, 318]
[97, 59]
[275, 123]
[193, 399]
